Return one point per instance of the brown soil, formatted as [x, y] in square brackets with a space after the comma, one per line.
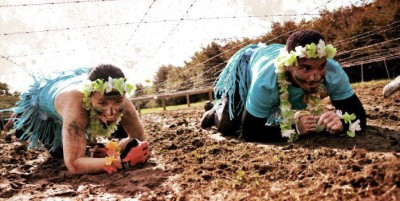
[190, 163]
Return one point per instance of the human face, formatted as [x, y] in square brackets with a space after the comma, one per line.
[308, 74]
[108, 107]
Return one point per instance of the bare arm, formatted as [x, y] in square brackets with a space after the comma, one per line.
[131, 123]
[75, 121]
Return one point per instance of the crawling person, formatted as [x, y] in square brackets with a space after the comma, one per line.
[65, 111]
[271, 92]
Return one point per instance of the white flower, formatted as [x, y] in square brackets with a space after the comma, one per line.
[285, 109]
[284, 96]
[321, 48]
[288, 133]
[260, 44]
[339, 114]
[355, 126]
[279, 67]
[300, 51]
[109, 85]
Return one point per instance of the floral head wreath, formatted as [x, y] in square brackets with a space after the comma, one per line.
[309, 51]
[101, 86]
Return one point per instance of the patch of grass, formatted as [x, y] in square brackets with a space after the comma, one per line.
[372, 82]
[172, 107]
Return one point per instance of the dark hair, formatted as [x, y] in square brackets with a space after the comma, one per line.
[104, 71]
[302, 38]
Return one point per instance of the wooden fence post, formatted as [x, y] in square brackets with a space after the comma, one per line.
[138, 107]
[163, 104]
[188, 100]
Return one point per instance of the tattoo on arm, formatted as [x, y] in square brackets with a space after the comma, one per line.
[73, 128]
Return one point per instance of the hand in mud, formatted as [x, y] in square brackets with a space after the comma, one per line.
[98, 151]
[307, 124]
[331, 121]
[136, 152]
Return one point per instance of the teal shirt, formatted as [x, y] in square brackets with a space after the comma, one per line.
[263, 95]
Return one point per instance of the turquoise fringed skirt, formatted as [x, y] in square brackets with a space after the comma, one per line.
[235, 78]
[36, 113]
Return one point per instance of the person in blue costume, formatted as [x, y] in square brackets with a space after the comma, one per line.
[63, 112]
[271, 92]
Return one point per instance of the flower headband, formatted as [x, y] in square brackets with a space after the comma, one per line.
[101, 86]
[309, 51]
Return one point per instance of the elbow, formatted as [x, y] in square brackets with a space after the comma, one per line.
[72, 167]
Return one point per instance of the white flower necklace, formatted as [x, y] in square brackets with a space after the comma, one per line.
[314, 107]
[290, 117]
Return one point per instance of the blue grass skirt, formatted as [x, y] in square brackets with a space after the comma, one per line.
[36, 113]
[236, 76]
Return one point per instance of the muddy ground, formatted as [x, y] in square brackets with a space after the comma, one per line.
[190, 163]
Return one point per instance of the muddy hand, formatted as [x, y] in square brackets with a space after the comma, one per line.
[136, 154]
[331, 121]
[306, 124]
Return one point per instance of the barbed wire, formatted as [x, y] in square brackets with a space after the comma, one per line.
[133, 23]
[370, 52]
[176, 26]
[369, 33]
[180, 20]
[368, 46]
[209, 59]
[141, 21]
[53, 3]
[354, 38]
[371, 58]
[374, 58]
[240, 44]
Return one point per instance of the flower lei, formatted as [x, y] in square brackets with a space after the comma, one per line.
[113, 151]
[96, 126]
[286, 60]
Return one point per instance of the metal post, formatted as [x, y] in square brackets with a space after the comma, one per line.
[362, 72]
[387, 71]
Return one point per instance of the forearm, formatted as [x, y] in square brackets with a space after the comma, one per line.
[255, 130]
[132, 123]
[261, 134]
[86, 165]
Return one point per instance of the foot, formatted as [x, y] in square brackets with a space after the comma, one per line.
[8, 138]
[208, 106]
[208, 119]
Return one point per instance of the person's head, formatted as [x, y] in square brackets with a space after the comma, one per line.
[310, 71]
[108, 103]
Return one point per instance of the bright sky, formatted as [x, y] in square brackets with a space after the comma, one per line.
[93, 32]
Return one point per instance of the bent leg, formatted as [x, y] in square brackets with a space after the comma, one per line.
[223, 122]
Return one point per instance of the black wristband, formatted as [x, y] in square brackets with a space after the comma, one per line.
[126, 165]
[129, 146]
